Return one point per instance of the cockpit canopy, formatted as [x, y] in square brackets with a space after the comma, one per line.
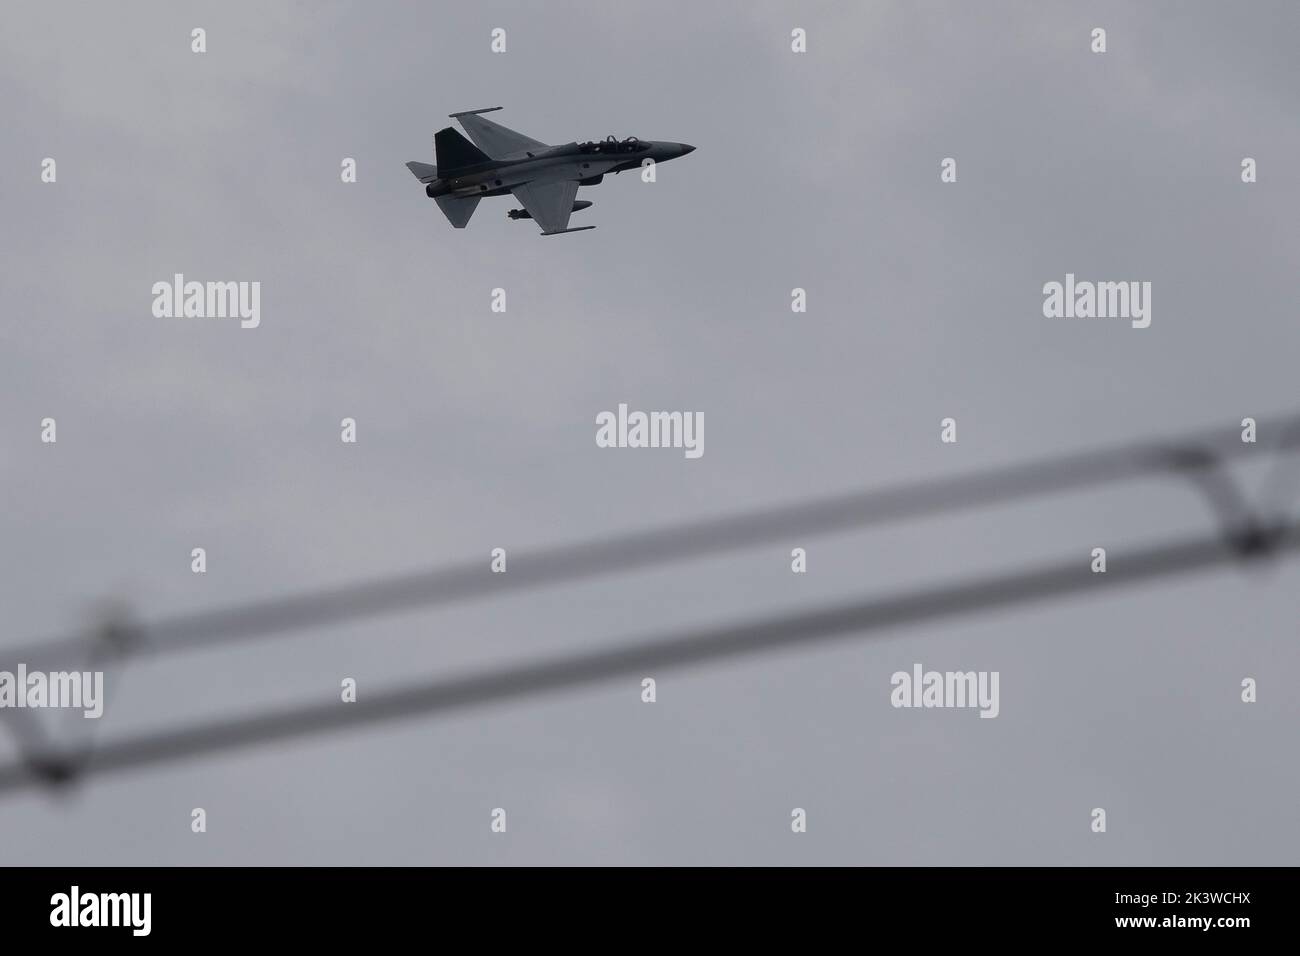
[610, 145]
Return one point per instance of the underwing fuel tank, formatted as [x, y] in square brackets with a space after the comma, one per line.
[524, 213]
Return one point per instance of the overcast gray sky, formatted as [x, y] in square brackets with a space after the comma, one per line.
[476, 430]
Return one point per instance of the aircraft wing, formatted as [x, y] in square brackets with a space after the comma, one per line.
[550, 204]
[493, 138]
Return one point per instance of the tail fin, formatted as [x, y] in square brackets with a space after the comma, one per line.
[455, 152]
[457, 210]
[423, 171]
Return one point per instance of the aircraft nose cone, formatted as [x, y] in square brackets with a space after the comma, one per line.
[685, 148]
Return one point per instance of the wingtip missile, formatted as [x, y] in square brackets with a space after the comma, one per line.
[560, 232]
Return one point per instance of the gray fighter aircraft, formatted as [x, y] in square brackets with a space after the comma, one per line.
[545, 179]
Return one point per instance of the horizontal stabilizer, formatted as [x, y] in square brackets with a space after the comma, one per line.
[560, 232]
[457, 210]
[490, 109]
[424, 172]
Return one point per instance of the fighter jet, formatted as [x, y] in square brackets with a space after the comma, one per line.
[545, 179]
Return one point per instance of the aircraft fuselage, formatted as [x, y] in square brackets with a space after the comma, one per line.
[571, 161]
[496, 161]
